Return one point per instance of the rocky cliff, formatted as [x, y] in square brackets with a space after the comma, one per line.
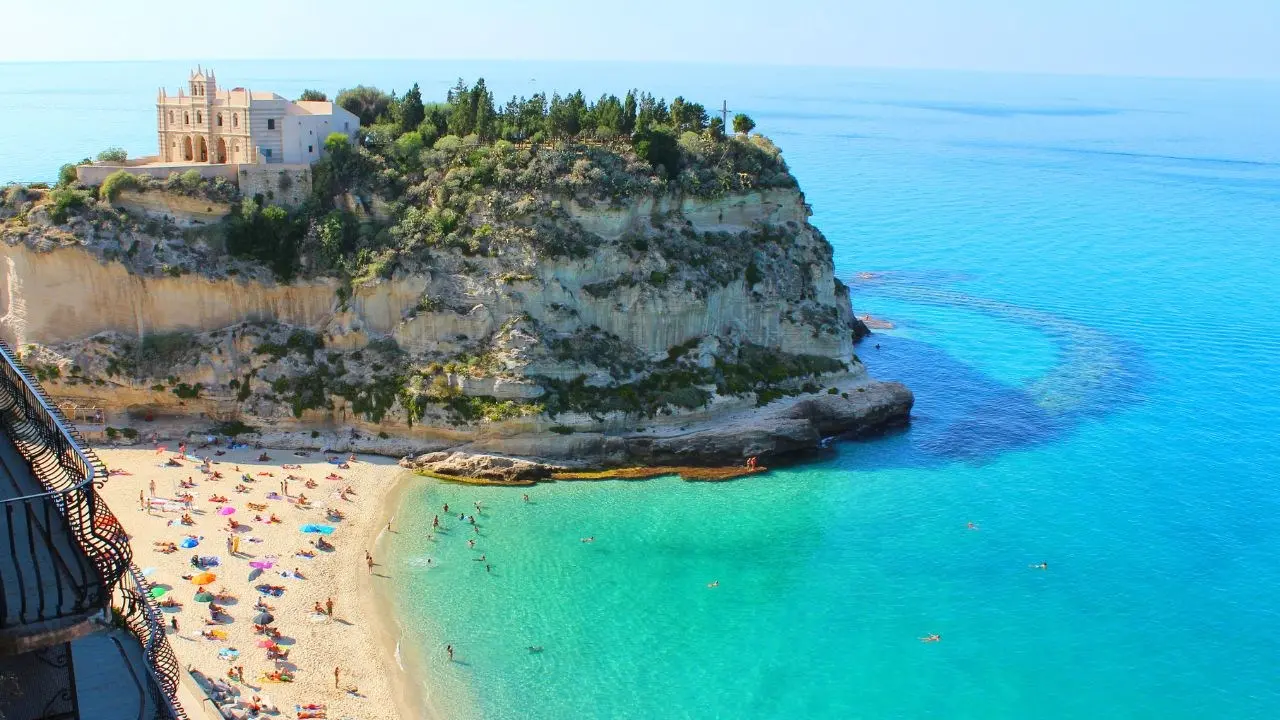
[576, 324]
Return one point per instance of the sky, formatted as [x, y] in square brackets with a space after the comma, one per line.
[1178, 38]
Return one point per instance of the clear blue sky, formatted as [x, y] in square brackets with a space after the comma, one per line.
[1190, 38]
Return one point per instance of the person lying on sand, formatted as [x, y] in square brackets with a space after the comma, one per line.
[242, 488]
[187, 519]
[217, 498]
[311, 484]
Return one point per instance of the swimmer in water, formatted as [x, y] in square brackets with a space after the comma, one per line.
[526, 497]
[589, 539]
[931, 638]
[471, 543]
[713, 584]
[973, 526]
[1040, 566]
[535, 648]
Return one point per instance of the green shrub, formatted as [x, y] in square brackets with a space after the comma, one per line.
[129, 433]
[67, 175]
[117, 182]
[112, 433]
[188, 392]
[66, 201]
[562, 430]
[232, 428]
[382, 434]
[113, 155]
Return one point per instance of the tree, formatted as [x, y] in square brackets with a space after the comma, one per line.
[113, 155]
[716, 129]
[462, 116]
[629, 113]
[313, 96]
[411, 110]
[486, 119]
[368, 103]
[743, 124]
[660, 148]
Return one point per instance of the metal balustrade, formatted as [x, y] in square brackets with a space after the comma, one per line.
[63, 556]
[61, 549]
[135, 607]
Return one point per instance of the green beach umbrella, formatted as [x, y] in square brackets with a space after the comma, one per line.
[158, 591]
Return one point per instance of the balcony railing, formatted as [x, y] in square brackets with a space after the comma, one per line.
[139, 613]
[65, 549]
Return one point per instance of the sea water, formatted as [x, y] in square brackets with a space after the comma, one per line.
[1082, 273]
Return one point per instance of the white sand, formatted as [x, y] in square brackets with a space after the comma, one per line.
[349, 640]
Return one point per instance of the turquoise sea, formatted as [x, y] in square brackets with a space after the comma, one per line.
[1083, 273]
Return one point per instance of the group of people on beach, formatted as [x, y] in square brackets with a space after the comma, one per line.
[219, 614]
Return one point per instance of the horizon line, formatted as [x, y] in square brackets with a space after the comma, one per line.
[719, 63]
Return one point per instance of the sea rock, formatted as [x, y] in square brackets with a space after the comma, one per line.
[485, 467]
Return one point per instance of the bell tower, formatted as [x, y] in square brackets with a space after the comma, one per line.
[203, 86]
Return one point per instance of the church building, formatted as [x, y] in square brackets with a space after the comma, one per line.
[206, 124]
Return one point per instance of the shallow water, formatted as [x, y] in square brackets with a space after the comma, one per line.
[1082, 273]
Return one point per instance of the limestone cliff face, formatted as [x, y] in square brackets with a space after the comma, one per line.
[682, 311]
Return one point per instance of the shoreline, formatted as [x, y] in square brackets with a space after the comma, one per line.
[357, 637]
[379, 606]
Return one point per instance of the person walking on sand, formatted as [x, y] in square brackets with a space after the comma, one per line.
[369, 561]
[173, 621]
[153, 487]
[335, 676]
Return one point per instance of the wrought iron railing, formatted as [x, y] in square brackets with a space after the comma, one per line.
[139, 613]
[70, 476]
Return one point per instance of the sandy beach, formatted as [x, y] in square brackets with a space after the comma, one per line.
[355, 638]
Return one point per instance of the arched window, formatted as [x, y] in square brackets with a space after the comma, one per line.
[235, 120]
[219, 119]
[186, 118]
[199, 117]
[170, 117]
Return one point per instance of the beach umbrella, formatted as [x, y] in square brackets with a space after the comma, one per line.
[263, 618]
[254, 574]
[204, 597]
[321, 529]
[203, 578]
[261, 564]
[158, 591]
[266, 643]
[226, 510]
[189, 542]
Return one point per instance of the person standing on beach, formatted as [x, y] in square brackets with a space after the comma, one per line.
[153, 487]
[328, 607]
[449, 649]
[369, 560]
[142, 501]
[335, 677]
[435, 523]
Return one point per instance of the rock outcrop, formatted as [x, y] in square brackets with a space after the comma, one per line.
[651, 326]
